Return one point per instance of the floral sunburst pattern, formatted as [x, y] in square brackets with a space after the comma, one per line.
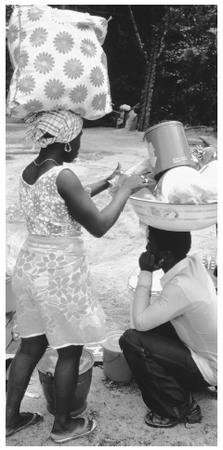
[23, 59]
[80, 111]
[33, 105]
[12, 34]
[44, 62]
[97, 77]
[38, 37]
[23, 34]
[54, 89]
[63, 42]
[78, 94]
[81, 26]
[16, 54]
[73, 68]
[26, 84]
[34, 14]
[99, 35]
[99, 102]
[88, 48]
[59, 64]
[61, 105]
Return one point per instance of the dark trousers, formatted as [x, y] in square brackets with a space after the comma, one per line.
[163, 369]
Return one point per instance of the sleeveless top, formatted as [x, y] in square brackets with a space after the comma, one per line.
[45, 210]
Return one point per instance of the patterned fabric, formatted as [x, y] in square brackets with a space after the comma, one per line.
[53, 292]
[51, 279]
[63, 125]
[44, 209]
[58, 62]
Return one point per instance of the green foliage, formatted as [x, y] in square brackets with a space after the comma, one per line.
[186, 75]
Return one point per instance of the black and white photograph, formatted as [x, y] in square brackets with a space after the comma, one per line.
[111, 224]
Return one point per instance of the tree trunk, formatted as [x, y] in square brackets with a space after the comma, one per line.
[156, 47]
[149, 82]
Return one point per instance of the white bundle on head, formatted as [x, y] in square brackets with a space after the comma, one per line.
[58, 62]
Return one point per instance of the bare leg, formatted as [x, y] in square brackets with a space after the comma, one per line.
[66, 377]
[22, 366]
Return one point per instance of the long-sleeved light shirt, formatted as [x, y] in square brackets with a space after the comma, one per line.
[188, 300]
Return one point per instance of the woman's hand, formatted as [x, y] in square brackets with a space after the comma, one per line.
[102, 185]
[209, 154]
[115, 173]
[132, 183]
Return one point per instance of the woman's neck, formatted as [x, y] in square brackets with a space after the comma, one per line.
[53, 152]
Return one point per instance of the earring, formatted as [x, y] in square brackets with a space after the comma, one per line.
[67, 147]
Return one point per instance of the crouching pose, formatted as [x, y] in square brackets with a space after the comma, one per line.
[173, 349]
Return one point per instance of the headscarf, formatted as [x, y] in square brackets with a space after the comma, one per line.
[63, 125]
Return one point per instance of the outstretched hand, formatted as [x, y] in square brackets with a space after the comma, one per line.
[115, 173]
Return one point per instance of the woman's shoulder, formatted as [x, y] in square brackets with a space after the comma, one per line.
[65, 173]
[58, 172]
[66, 178]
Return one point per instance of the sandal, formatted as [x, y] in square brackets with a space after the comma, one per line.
[154, 420]
[34, 419]
[65, 436]
[193, 415]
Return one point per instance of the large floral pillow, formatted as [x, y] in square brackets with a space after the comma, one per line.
[58, 62]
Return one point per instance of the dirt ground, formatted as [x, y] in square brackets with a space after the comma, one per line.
[118, 409]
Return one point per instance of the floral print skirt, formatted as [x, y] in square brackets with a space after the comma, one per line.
[54, 295]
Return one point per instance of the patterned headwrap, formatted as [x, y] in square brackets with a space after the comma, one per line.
[63, 125]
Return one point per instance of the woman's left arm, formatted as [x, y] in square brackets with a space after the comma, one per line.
[98, 187]
[102, 185]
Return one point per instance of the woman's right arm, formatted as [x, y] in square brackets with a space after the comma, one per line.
[83, 209]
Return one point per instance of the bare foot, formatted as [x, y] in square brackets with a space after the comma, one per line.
[19, 421]
[22, 421]
[75, 428]
[76, 424]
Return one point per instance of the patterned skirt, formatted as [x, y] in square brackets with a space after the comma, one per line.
[54, 295]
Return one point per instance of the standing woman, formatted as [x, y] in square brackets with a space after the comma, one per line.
[54, 301]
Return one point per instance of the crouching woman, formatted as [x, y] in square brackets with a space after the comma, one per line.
[173, 349]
